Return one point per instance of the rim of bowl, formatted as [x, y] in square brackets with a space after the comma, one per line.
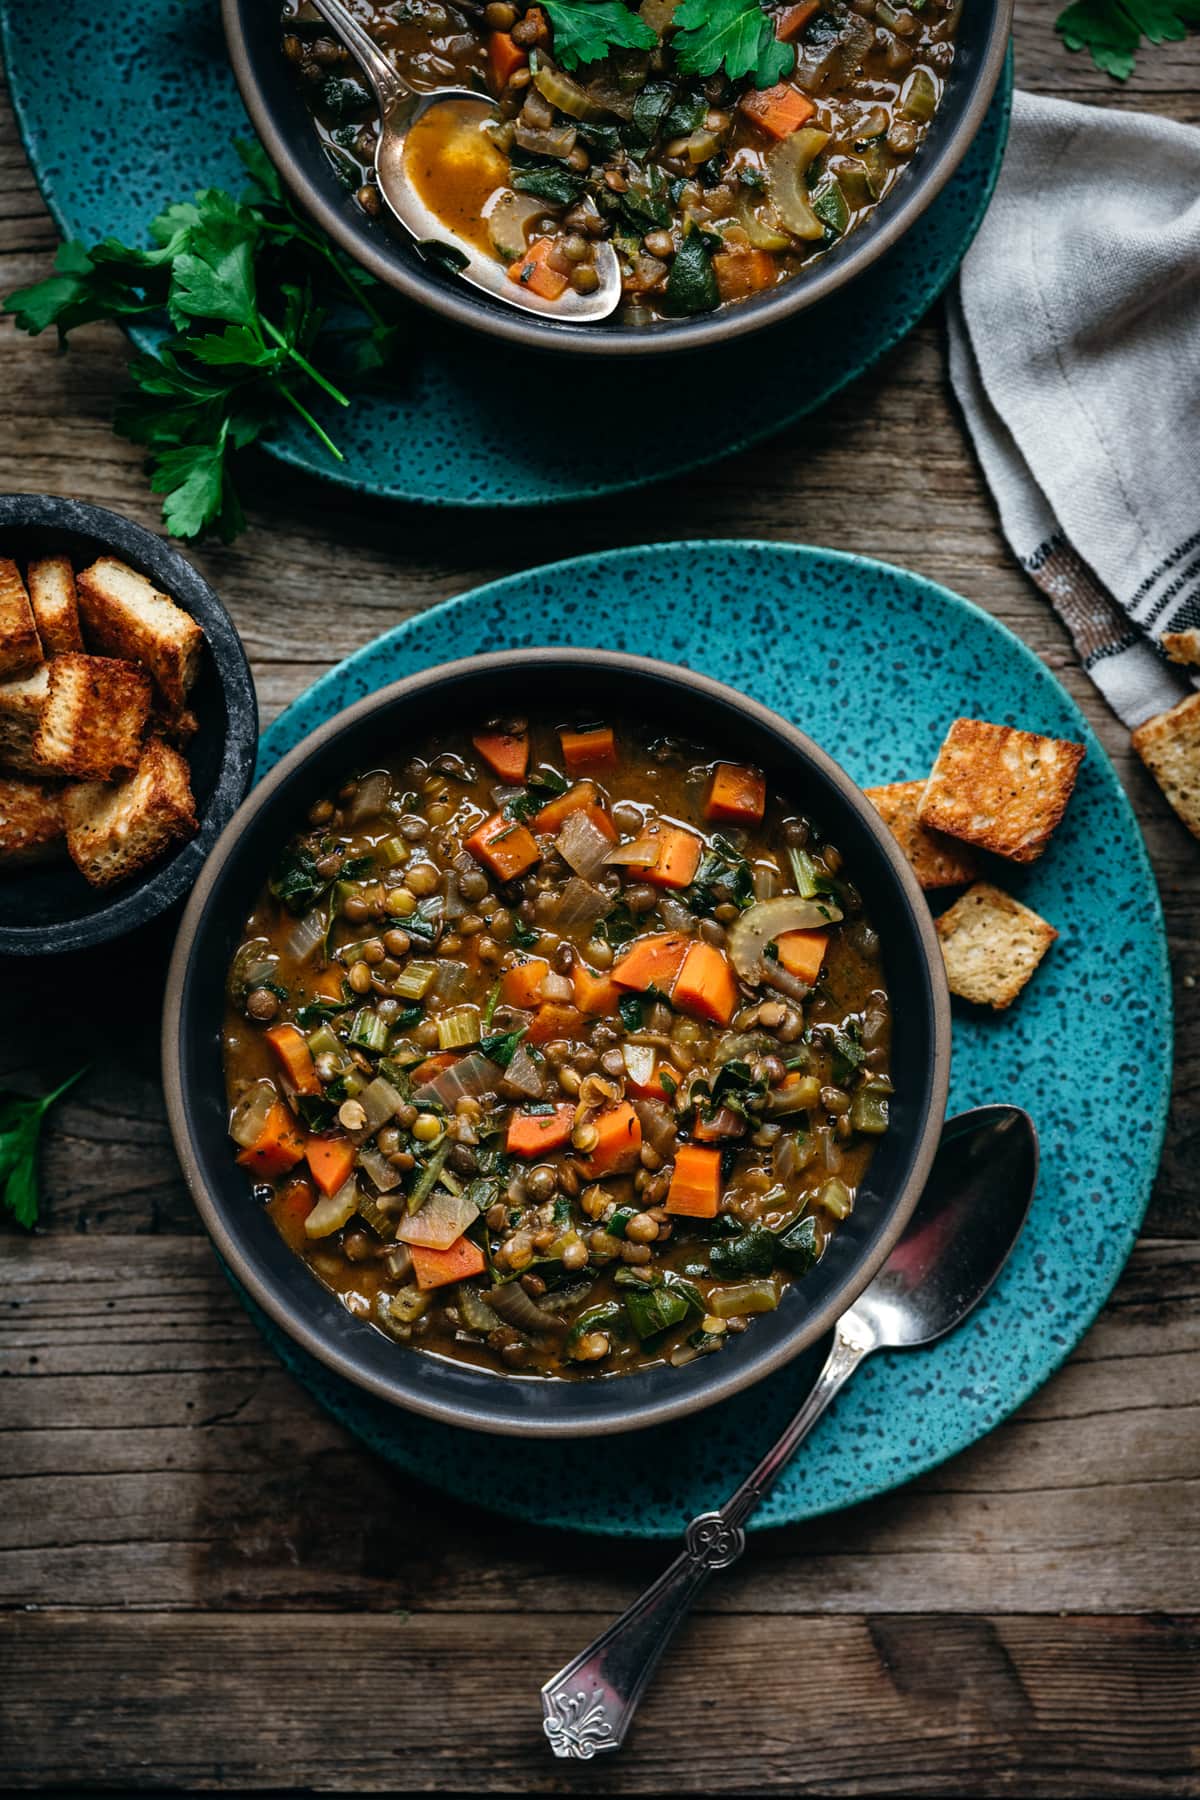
[136, 904]
[456, 301]
[486, 1417]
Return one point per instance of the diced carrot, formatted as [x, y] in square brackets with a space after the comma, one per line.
[652, 962]
[556, 812]
[778, 110]
[533, 1134]
[435, 1268]
[432, 1067]
[706, 985]
[595, 995]
[331, 1160]
[521, 986]
[791, 23]
[740, 273]
[532, 271]
[652, 1089]
[619, 1143]
[553, 1020]
[737, 795]
[503, 846]
[602, 822]
[289, 1209]
[295, 1057]
[695, 1190]
[678, 857]
[506, 753]
[278, 1147]
[801, 953]
[328, 985]
[724, 1123]
[595, 749]
[505, 58]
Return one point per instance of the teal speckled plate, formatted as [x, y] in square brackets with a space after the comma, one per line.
[127, 108]
[874, 663]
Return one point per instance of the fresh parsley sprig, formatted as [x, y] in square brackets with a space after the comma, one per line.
[20, 1128]
[587, 30]
[245, 287]
[1112, 30]
[734, 35]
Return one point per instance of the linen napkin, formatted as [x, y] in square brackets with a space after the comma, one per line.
[1075, 355]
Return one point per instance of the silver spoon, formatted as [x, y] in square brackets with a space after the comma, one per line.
[956, 1243]
[400, 107]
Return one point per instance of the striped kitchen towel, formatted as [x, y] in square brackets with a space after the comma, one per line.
[1075, 355]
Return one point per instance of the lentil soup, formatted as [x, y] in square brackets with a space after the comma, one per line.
[558, 1050]
[719, 145]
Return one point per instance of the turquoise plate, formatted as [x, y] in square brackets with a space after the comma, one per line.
[874, 663]
[127, 108]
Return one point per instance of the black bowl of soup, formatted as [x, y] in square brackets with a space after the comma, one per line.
[556, 1042]
[737, 188]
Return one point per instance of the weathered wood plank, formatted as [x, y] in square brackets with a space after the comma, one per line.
[831, 1706]
[154, 1455]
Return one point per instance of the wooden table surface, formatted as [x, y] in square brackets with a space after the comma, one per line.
[208, 1584]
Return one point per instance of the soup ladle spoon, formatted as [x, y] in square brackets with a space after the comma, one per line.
[400, 109]
[954, 1246]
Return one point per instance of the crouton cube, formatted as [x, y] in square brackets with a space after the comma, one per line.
[174, 727]
[992, 944]
[124, 615]
[94, 717]
[52, 596]
[32, 826]
[1001, 789]
[20, 645]
[114, 832]
[22, 701]
[1183, 646]
[937, 861]
[1169, 745]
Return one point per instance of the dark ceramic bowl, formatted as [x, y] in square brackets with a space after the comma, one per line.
[399, 716]
[273, 100]
[49, 907]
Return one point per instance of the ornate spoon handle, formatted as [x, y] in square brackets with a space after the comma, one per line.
[379, 72]
[589, 1705]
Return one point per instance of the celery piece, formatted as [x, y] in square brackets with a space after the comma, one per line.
[918, 97]
[459, 1028]
[415, 981]
[369, 1031]
[836, 1198]
[394, 851]
[374, 1215]
[398, 1313]
[748, 1297]
[427, 1178]
[869, 1111]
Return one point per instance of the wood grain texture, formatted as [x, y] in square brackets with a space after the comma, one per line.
[205, 1583]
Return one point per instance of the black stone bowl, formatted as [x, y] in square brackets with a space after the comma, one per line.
[395, 719]
[272, 98]
[49, 907]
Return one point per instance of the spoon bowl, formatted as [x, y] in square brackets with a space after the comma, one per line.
[402, 114]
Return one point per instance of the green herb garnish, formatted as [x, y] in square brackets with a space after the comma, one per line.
[587, 30]
[734, 35]
[20, 1128]
[1112, 30]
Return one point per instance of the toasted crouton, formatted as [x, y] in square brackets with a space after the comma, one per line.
[1169, 745]
[21, 703]
[938, 861]
[1183, 646]
[992, 944]
[32, 826]
[52, 596]
[113, 832]
[20, 645]
[125, 616]
[94, 719]
[178, 728]
[1000, 789]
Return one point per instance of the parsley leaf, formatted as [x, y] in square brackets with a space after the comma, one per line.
[736, 35]
[20, 1129]
[1113, 29]
[587, 30]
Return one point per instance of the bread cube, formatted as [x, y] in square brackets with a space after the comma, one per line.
[1169, 745]
[1000, 789]
[52, 596]
[992, 945]
[125, 616]
[22, 702]
[32, 825]
[94, 717]
[20, 645]
[938, 861]
[115, 831]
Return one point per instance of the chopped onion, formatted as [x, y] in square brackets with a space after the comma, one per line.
[640, 852]
[452, 901]
[581, 904]
[582, 844]
[450, 979]
[658, 1126]
[556, 987]
[254, 963]
[469, 1077]
[372, 796]
[500, 799]
[523, 1075]
[334, 1211]
[516, 1308]
[763, 922]
[440, 1222]
[639, 1063]
[250, 1114]
[305, 935]
[674, 914]
[375, 1164]
[558, 141]
[380, 1101]
[766, 881]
